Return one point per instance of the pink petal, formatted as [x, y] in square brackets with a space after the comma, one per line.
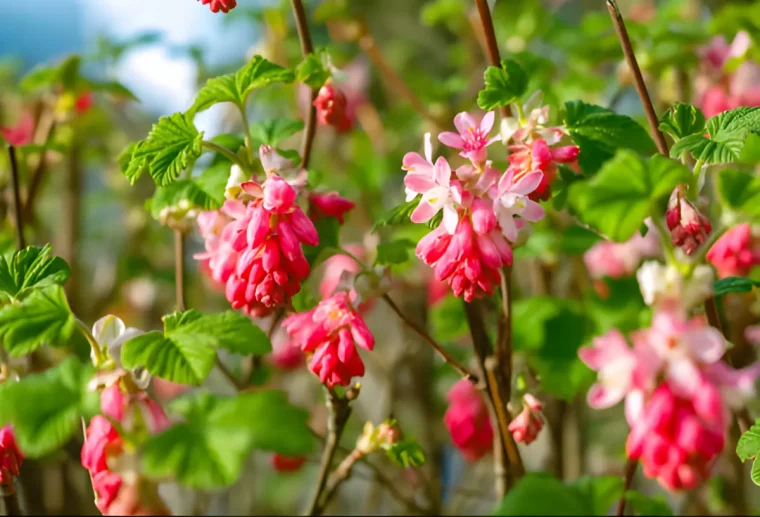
[532, 212]
[465, 123]
[450, 219]
[707, 344]
[415, 162]
[423, 213]
[527, 183]
[487, 123]
[442, 172]
[418, 182]
[451, 140]
[601, 397]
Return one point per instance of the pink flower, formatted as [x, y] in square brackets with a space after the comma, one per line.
[620, 368]
[330, 204]
[736, 252]
[331, 107]
[332, 331]
[619, 259]
[22, 133]
[220, 256]
[286, 355]
[526, 158]
[10, 456]
[122, 407]
[688, 227]
[470, 261]
[422, 169]
[512, 200]
[107, 486]
[287, 463]
[84, 102]
[472, 138]
[263, 242]
[220, 5]
[677, 438]
[526, 426]
[468, 422]
[101, 442]
[436, 195]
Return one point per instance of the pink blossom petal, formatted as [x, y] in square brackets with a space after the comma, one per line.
[527, 183]
[487, 123]
[442, 172]
[451, 140]
[601, 397]
[423, 213]
[418, 182]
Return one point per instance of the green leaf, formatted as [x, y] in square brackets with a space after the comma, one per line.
[274, 131]
[601, 492]
[740, 191]
[394, 252]
[625, 192]
[503, 85]
[186, 351]
[328, 229]
[114, 88]
[191, 191]
[208, 448]
[599, 132]
[65, 74]
[43, 317]
[550, 331]
[312, 71]
[31, 267]
[728, 132]
[46, 409]
[682, 120]
[407, 453]
[734, 284]
[644, 505]
[748, 445]
[172, 146]
[755, 472]
[541, 494]
[397, 215]
[236, 87]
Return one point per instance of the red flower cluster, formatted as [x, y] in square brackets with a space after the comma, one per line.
[468, 422]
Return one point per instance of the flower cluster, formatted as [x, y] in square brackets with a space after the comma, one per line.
[220, 5]
[721, 87]
[528, 423]
[483, 210]
[688, 227]
[331, 332]
[677, 393]
[468, 421]
[253, 244]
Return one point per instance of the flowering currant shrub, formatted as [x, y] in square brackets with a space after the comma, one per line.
[515, 276]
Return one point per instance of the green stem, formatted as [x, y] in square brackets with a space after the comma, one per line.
[97, 356]
[225, 152]
[247, 130]
[665, 239]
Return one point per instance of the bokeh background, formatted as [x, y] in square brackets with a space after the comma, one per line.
[122, 259]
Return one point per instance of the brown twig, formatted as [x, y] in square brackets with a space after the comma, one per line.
[340, 474]
[493, 47]
[338, 410]
[310, 126]
[463, 371]
[179, 269]
[35, 181]
[229, 375]
[388, 73]
[641, 88]
[19, 220]
[630, 470]
[512, 465]
[10, 498]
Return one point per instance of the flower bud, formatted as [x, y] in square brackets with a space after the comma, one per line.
[688, 227]
[331, 107]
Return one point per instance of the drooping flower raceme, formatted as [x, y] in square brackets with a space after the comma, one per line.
[330, 332]
[468, 421]
[263, 241]
[688, 227]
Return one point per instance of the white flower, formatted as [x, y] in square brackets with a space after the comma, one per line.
[662, 284]
[110, 333]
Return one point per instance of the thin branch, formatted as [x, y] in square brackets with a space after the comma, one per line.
[224, 152]
[338, 411]
[35, 182]
[179, 269]
[493, 47]
[306, 48]
[18, 218]
[463, 371]
[641, 88]
[340, 474]
[630, 470]
[229, 375]
[10, 498]
[388, 73]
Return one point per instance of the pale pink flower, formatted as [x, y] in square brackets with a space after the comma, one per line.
[688, 227]
[331, 332]
[473, 136]
[736, 252]
[526, 158]
[436, 195]
[468, 421]
[416, 165]
[512, 200]
[529, 422]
